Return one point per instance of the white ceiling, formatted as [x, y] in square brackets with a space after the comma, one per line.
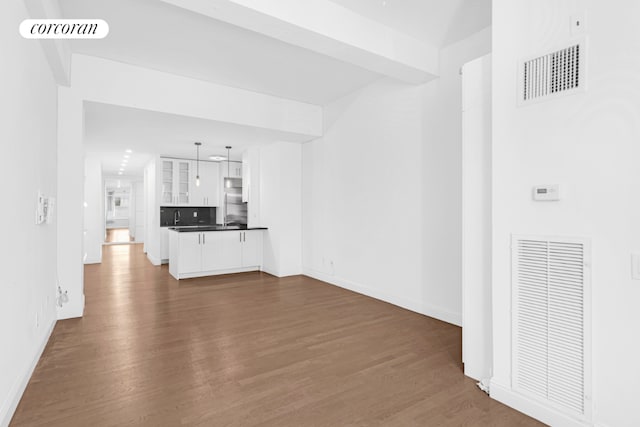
[111, 130]
[440, 22]
[156, 35]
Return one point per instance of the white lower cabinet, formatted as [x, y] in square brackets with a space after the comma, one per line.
[195, 254]
[164, 245]
[190, 250]
[251, 247]
[223, 251]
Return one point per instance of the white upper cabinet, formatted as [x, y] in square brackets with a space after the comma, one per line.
[208, 192]
[246, 173]
[231, 169]
[251, 185]
[177, 178]
[175, 182]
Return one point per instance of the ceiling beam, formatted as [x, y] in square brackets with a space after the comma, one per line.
[329, 29]
[57, 51]
[115, 83]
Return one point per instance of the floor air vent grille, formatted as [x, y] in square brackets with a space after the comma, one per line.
[550, 321]
[553, 74]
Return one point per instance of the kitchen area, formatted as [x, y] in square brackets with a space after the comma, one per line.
[203, 207]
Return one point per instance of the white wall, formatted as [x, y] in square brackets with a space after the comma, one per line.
[589, 143]
[28, 251]
[152, 214]
[93, 210]
[442, 179]
[70, 224]
[281, 207]
[382, 190]
[362, 192]
[138, 193]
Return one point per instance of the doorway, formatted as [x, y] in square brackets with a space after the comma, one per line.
[117, 213]
[122, 214]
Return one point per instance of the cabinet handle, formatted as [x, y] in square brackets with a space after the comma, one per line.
[198, 238]
[204, 239]
[241, 236]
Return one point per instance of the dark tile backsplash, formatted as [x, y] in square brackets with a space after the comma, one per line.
[203, 216]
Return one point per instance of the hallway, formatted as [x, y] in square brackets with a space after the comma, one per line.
[247, 349]
[118, 235]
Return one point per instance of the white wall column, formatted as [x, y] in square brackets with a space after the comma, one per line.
[70, 201]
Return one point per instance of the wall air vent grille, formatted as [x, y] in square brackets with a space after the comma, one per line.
[553, 74]
[550, 321]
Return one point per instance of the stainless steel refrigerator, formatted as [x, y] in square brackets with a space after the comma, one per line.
[235, 211]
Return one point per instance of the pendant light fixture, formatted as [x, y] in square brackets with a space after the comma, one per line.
[198, 144]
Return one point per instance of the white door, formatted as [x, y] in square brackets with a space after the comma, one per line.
[476, 218]
[251, 248]
[190, 250]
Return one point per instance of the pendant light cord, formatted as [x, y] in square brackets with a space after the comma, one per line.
[198, 144]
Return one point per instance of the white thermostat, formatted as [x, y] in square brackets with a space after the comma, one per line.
[546, 193]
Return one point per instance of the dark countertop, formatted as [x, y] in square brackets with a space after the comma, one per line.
[214, 228]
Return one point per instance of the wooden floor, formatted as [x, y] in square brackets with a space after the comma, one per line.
[246, 350]
[118, 235]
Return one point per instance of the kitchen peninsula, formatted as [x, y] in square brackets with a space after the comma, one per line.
[197, 251]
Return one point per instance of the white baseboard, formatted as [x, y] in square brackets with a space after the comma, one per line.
[417, 306]
[71, 310]
[216, 272]
[270, 271]
[154, 260]
[8, 407]
[279, 273]
[534, 409]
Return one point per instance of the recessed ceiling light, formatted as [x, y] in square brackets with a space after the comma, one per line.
[217, 158]
[126, 156]
[128, 150]
[120, 173]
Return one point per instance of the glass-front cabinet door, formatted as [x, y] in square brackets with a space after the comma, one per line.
[167, 182]
[183, 181]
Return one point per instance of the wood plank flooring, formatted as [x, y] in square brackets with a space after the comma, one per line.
[247, 350]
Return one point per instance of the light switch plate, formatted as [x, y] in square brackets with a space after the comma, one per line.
[635, 265]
